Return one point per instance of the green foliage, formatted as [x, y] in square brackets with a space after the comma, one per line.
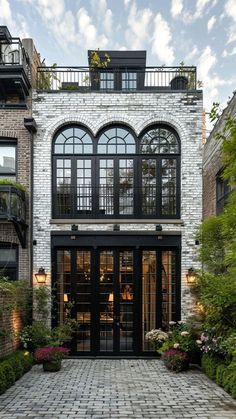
[3, 384]
[46, 77]
[42, 296]
[96, 61]
[8, 372]
[17, 295]
[228, 148]
[180, 337]
[220, 370]
[35, 336]
[215, 112]
[11, 182]
[217, 294]
[13, 367]
[26, 359]
[212, 241]
[209, 365]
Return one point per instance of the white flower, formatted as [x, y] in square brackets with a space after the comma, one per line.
[176, 345]
[171, 323]
[184, 333]
[199, 342]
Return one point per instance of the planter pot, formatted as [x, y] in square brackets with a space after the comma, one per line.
[179, 83]
[180, 366]
[52, 366]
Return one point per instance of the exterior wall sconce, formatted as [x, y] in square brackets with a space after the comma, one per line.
[41, 276]
[191, 276]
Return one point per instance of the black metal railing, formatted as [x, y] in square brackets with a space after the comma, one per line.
[122, 201]
[84, 79]
[13, 54]
[12, 203]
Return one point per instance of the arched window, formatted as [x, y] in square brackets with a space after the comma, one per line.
[73, 140]
[110, 176]
[159, 140]
[117, 140]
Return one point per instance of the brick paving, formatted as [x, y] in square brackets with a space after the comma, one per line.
[118, 389]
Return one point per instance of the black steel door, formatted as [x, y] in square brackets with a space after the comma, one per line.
[116, 295]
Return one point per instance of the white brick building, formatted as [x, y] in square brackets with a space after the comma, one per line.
[117, 200]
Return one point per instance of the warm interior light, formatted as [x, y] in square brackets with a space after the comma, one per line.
[66, 298]
[41, 276]
[191, 276]
[111, 297]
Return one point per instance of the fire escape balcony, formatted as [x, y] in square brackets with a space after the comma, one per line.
[14, 71]
[13, 209]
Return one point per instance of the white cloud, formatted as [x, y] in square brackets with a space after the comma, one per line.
[211, 23]
[176, 7]
[17, 26]
[138, 26]
[227, 54]
[126, 3]
[88, 35]
[5, 10]
[200, 6]
[230, 11]
[161, 43]
[192, 54]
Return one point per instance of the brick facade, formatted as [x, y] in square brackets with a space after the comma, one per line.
[181, 110]
[212, 162]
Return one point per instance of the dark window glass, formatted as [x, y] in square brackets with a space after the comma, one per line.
[106, 186]
[84, 188]
[168, 186]
[129, 80]
[149, 186]
[117, 182]
[8, 262]
[7, 161]
[222, 192]
[107, 81]
[159, 141]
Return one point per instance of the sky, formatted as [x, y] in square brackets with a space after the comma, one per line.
[196, 32]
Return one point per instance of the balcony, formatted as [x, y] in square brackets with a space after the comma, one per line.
[14, 71]
[13, 209]
[123, 201]
[85, 79]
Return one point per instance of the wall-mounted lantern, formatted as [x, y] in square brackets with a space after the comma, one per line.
[41, 276]
[191, 276]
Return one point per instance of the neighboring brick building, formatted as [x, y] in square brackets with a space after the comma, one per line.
[18, 62]
[119, 154]
[215, 190]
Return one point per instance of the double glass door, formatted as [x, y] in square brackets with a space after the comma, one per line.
[116, 295]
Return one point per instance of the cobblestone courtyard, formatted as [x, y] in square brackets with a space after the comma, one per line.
[115, 389]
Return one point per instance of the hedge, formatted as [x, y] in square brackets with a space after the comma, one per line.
[224, 375]
[13, 367]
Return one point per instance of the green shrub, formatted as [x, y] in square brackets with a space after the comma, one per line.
[26, 359]
[3, 384]
[209, 365]
[219, 373]
[8, 372]
[17, 365]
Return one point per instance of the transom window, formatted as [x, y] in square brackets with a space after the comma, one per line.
[116, 141]
[116, 174]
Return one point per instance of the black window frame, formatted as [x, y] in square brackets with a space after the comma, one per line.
[10, 267]
[221, 199]
[9, 142]
[137, 157]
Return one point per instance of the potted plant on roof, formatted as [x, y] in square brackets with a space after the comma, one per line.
[51, 357]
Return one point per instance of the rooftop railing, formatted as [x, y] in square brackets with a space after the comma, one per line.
[13, 54]
[84, 79]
